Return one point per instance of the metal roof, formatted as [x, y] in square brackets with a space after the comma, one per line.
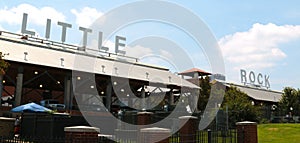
[64, 56]
[259, 93]
[191, 72]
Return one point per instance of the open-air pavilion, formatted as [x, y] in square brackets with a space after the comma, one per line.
[42, 69]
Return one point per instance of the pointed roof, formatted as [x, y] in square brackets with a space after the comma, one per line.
[191, 72]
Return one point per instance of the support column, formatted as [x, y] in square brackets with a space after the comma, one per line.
[247, 132]
[108, 95]
[197, 96]
[143, 98]
[193, 99]
[67, 93]
[189, 126]
[171, 98]
[1, 88]
[130, 103]
[19, 87]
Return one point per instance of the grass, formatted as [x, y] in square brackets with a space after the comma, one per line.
[279, 133]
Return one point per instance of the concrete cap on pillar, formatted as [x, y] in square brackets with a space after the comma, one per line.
[81, 129]
[155, 130]
[246, 123]
[7, 119]
[188, 117]
[141, 113]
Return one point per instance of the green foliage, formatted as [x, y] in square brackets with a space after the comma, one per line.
[240, 107]
[238, 103]
[3, 64]
[290, 98]
[264, 121]
[204, 92]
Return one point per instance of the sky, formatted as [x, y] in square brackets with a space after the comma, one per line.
[258, 36]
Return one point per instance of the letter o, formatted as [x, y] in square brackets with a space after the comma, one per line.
[252, 77]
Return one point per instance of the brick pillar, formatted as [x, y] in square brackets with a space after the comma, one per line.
[7, 127]
[247, 132]
[143, 119]
[189, 126]
[155, 135]
[81, 134]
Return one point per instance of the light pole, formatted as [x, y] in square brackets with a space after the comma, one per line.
[273, 108]
[291, 112]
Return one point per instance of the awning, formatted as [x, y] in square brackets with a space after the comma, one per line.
[259, 93]
[30, 107]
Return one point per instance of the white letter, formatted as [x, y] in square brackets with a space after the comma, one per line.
[24, 25]
[259, 76]
[64, 30]
[252, 77]
[48, 27]
[117, 44]
[267, 83]
[243, 76]
[84, 39]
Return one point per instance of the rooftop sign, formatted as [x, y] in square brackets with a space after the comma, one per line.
[255, 79]
[65, 26]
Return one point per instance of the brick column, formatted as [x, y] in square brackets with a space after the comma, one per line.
[144, 118]
[81, 134]
[189, 126]
[7, 127]
[155, 135]
[247, 132]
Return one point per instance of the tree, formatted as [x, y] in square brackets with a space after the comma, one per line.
[290, 100]
[240, 106]
[204, 92]
[3, 64]
[3, 68]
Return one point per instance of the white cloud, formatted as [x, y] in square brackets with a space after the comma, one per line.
[86, 16]
[166, 54]
[35, 15]
[259, 47]
[138, 51]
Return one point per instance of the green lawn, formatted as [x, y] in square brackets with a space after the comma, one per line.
[279, 133]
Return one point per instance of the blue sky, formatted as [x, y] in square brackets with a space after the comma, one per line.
[259, 36]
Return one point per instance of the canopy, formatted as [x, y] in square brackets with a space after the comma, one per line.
[31, 107]
[68, 57]
[259, 94]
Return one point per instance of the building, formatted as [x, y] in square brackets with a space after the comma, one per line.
[42, 69]
[260, 96]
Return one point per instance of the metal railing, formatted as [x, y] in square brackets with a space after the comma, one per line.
[203, 136]
[101, 139]
[208, 136]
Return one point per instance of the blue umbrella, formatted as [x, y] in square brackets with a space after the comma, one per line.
[30, 107]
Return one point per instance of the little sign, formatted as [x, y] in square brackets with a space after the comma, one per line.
[255, 79]
[85, 31]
